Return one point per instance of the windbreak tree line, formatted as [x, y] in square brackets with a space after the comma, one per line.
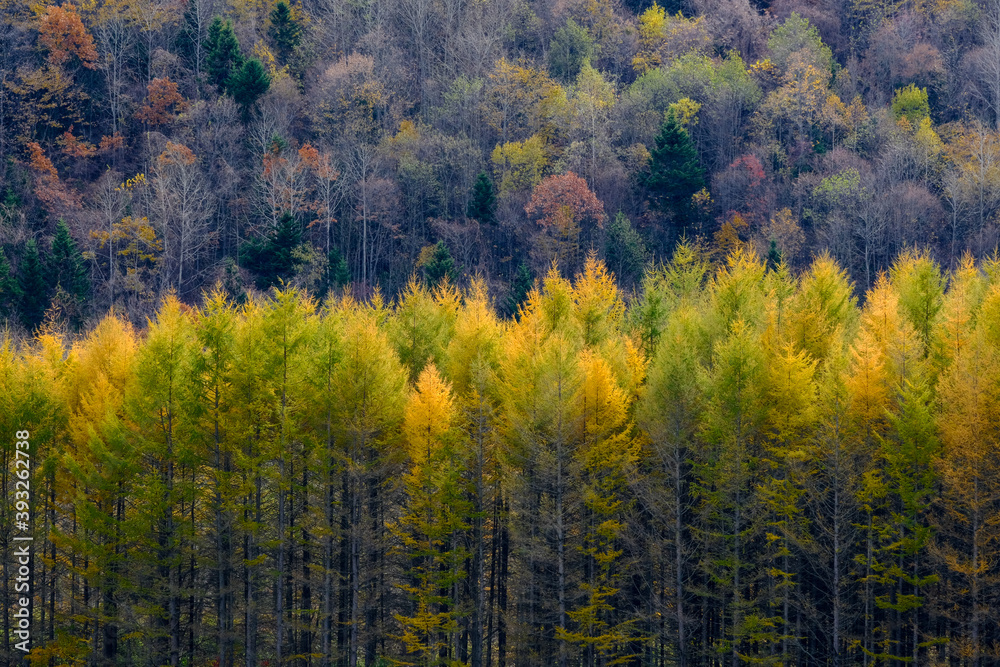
[741, 466]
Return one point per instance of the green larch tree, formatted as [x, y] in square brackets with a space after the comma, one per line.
[431, 528]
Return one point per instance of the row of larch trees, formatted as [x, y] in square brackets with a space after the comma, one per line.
[737, 466]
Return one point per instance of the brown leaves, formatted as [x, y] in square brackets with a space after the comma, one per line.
[54, 195]
[61, 32]
[559, 196]
[40, 163]
[162, 96]
[73, 146]
[178, 154]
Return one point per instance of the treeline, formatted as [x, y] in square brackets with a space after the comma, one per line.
[326, 143]
[742, 466]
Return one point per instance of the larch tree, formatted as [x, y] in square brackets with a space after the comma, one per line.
[165, 487]
[431, 528]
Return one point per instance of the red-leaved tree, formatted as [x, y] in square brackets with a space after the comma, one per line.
[564, 207]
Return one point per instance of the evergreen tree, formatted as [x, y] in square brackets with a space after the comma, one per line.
[33, 286]
[337, 273]
[284, 30]
[10, 291]
[440, 266]
[483, 205]
[65, 265]
[625, 250]
[248, 84]
[275, 258]
[773, 256]
[223, 57]
[674, 173]
[520, 287]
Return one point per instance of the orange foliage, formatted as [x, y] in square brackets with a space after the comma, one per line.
[113, 143]
[50, 191]
[319, 163]
[568, 195]
[40, 163]
[162, 96]
[176, 154]
[62, 33]
[74, 146]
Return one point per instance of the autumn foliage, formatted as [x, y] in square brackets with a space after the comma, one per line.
[61, 32]
[566, 195]
[162, 104]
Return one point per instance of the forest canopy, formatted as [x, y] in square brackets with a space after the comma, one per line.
[741, 466]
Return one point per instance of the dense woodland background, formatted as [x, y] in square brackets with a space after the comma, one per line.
[742, 467]
[328, 143]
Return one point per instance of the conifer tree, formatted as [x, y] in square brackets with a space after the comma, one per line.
[284, 30]
[223, 57]
[10, 290]
[288, 324]
[247, 84]
[540, 377]
[519, 289]
[33, 287]
[436, 516]
[98, 473]
[214, 330]
[320, 404]
[918, 280]
[674, 171]
[165, 494]
[65, 265]
[727, 477]
[967, 513]
[441, 266]
[669, 413]
[625, 250]
[606, 457]
[473, 358]
[371, 383]
[422, 325]
[275, 258]
[483, 204]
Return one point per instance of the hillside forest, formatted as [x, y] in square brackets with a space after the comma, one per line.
[157, 145]
[502, 332]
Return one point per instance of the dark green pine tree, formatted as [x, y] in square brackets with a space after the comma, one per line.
[34, 287]
[223, 57]
[519, 289]
[440, 266]
[275, 258]
[674, 173]
[773, 256]
[483, 205]
[66, 268]
[248, 85]
[10, 291]
[284, 30]
[337, 272]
